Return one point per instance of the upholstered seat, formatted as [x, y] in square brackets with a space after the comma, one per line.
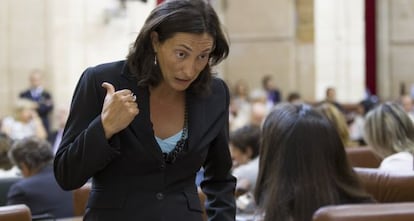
[5, 184]
[387, 186]
[19, 212]
[362, 157]
[366, 212]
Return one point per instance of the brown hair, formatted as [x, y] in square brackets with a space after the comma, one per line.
[303, 165]
[167, 19]
[34, 152]
[5, 144]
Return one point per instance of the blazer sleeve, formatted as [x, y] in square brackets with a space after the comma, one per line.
[219, 184]
[84, 150]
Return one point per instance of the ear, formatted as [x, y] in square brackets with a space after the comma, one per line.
[24, 169]
[154, 41]
[249, 152]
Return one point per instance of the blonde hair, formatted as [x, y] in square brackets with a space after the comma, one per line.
[23, 104]
[388, 129]
[337, 118]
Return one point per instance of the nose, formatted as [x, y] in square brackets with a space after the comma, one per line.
[189, 69]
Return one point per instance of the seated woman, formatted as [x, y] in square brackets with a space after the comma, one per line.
[390, 132]
[7, 169]
[338, 119]
[25, 122]
[303, 166]
[38, 189]
[244, 149]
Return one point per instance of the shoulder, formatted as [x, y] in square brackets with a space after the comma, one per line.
[219, 87]
[400, 156]
[218, 84]
[251, 167]
[105, 69]
[19, 186]
[402, 161]
[110, 66]
[94, 76]
[8, 120]
[24, 93]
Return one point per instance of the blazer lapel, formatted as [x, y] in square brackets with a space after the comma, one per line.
[197, 119]
[141, 126]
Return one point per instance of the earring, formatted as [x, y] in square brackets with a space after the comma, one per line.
[155, 59]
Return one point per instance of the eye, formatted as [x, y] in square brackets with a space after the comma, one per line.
[180, 54]
[204, 56]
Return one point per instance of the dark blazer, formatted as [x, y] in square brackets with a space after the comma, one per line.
[42, 195]
[130, 179]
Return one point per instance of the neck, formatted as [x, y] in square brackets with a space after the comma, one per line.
[163, 93]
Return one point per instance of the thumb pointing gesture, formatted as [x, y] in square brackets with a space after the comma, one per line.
[119, 109]
[110, 90]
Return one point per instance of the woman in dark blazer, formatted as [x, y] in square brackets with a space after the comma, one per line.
[142, 128]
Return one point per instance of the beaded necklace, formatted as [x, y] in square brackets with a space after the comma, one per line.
[171, 157]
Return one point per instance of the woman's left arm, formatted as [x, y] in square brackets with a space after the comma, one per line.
[219, 184]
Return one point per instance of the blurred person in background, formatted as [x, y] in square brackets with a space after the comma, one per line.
[240, 107]
[55, 136]
[330, 97]
[25, 122]
[294, 98]
[244, 149]
[273, 94]
[356, 125]
[338, 120]
[408, 106]
[38, 94]
[38, 189]
[303, 166]
[7, 169]
[259, 107]
[390, 132]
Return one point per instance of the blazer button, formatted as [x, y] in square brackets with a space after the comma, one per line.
[162, 166]
[159, 196]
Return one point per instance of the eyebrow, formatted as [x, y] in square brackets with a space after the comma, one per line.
[188, 48]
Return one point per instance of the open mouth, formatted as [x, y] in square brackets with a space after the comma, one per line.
[182, 80]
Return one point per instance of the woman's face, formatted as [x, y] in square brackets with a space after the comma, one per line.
[26, 114]
[182, 57]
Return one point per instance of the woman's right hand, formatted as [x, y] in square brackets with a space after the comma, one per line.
[119, 109]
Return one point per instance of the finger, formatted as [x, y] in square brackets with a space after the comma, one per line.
[109, 88]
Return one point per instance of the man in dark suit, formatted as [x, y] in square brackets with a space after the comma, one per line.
[38, 94]
[38, 189]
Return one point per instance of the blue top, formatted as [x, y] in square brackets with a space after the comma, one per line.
[168, 144]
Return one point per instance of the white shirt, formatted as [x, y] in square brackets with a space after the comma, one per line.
[401, 162]
[13, 172]
[19, 130]
[247, 172]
